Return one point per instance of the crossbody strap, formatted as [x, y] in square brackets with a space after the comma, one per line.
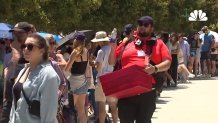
[25, 97]
[122, 51]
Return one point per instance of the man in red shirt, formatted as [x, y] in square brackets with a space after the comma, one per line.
[140, 108]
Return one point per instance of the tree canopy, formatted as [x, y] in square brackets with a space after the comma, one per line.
[65, 16]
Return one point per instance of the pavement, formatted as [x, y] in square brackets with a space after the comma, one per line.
[195, 102]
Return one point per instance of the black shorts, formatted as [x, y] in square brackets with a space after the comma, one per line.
[205, 55]
[213, 57]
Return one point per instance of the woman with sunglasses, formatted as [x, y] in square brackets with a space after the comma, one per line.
[36, 82]
[80, 76]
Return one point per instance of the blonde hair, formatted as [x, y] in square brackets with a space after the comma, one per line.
[78, 46]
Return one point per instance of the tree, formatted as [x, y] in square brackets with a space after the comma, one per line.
[65, 16]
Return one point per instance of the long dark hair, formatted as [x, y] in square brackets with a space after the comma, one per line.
[43, 44]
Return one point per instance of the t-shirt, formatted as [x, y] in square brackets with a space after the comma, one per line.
[132, 55]
[208, 38]
[102, 57]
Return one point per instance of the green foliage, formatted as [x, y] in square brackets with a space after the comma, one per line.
[65, 16]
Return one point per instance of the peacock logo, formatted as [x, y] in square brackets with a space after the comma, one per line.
[198, 15]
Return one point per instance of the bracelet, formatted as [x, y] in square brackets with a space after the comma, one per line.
[156, 69]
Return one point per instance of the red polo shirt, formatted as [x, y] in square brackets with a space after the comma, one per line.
[133, 55]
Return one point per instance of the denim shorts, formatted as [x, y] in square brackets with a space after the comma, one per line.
[193, 52]
[78, 84]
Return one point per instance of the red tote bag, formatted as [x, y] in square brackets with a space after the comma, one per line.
[126, 82]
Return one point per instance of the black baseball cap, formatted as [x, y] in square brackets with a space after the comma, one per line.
[78, 36]
[127, 29]
[145, 20]
[22, 27]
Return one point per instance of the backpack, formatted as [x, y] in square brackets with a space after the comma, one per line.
[66, 113]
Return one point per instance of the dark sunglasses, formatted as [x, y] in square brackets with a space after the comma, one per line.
[52, 43]
[29, 46]
[141, 23]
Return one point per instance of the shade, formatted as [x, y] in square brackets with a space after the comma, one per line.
[4, 31]
[64, 41]
[56, 37]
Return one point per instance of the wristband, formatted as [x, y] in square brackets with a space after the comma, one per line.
[155, 69]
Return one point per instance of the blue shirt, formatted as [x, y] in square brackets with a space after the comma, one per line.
[42, 85]
[184, 45]
[208, 39]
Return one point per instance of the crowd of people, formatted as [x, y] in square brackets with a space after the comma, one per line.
[40, 80]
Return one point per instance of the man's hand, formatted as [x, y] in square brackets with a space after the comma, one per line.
[149, 69]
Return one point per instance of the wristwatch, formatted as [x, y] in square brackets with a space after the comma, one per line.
[155, 69]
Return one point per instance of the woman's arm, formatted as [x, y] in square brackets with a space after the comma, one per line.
[71, 60]
[61, 61]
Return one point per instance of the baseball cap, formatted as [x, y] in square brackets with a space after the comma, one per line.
[78, 36]
[145, 20]
[204, 28]
[22, 27]
[127, 29]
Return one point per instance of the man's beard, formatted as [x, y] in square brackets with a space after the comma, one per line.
[144, 34]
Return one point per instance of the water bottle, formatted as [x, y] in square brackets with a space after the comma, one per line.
[113, 35]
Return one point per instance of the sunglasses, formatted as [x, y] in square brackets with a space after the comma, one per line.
[141, 23]
[29, 46]
[52, 43]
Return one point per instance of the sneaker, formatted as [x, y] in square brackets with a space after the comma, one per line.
[172, 83]
[190, 76]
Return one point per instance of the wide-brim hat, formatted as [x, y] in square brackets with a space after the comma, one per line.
[100, 36]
